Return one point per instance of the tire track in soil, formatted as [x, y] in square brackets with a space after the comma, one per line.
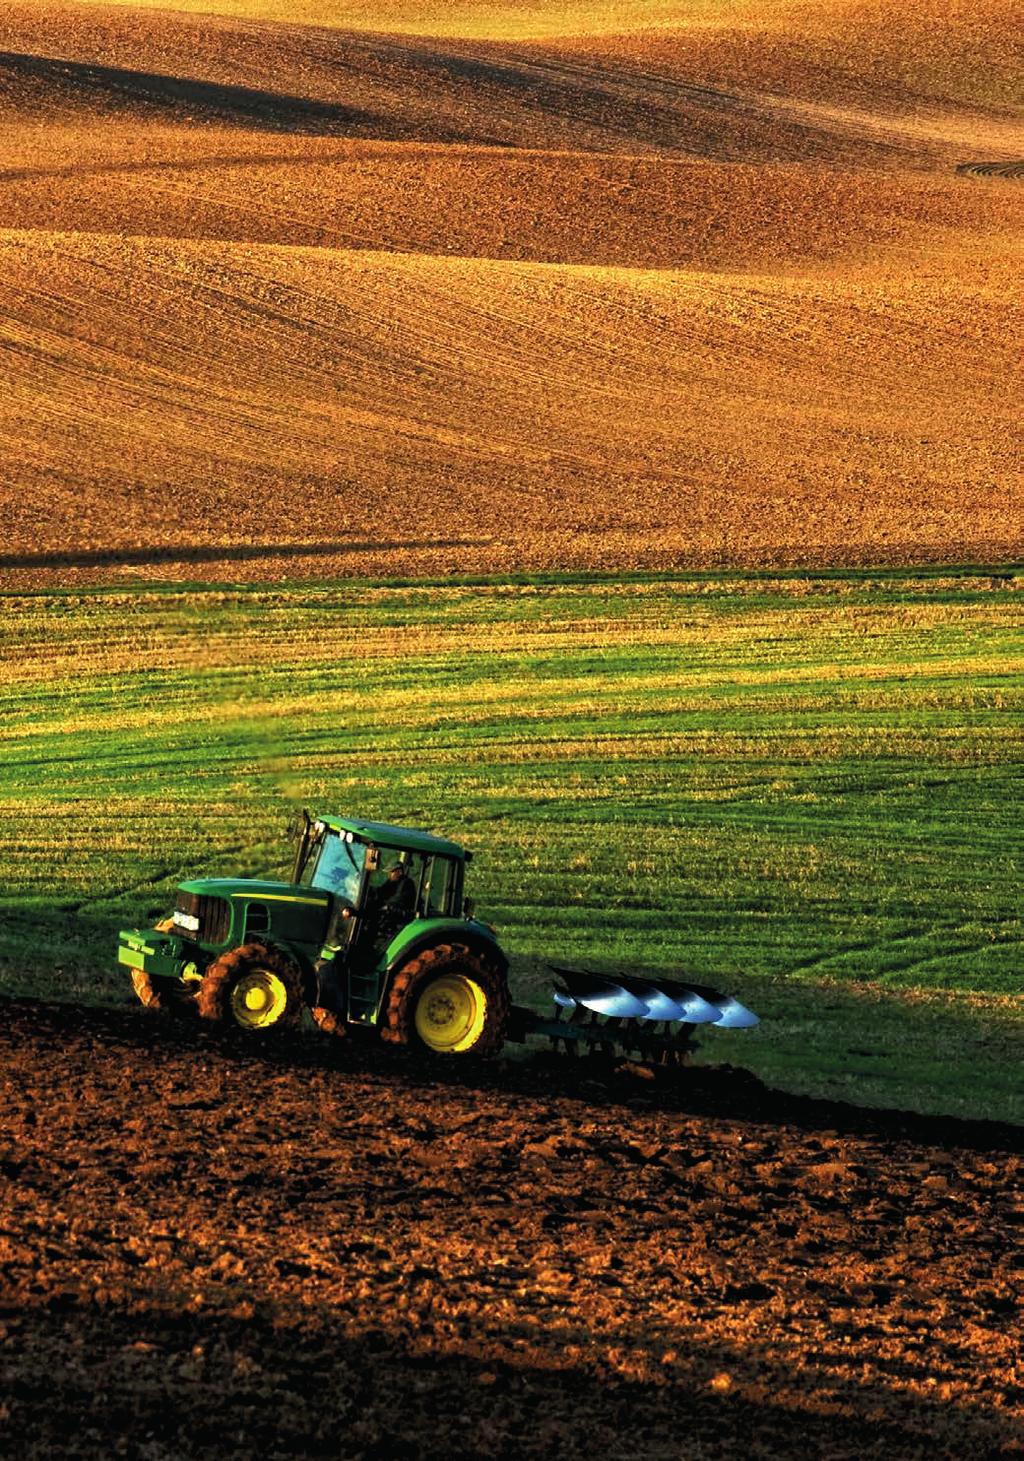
[213, 1247]
[1014, 170]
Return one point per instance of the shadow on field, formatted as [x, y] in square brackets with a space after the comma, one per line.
[716, 1092]
[248, 1375]
[229, 553]
[211, 163]
[114, 88]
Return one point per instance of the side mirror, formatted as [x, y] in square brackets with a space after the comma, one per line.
[298, 825]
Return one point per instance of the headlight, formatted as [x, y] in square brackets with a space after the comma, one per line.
[186, 920]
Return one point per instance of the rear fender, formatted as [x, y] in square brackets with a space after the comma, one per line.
[425, 933]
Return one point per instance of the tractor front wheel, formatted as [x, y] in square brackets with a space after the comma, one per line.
[450, 1001]
[252, 987]
[144, 987]
[170, 996]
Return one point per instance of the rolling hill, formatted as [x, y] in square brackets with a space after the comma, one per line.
[414, 288]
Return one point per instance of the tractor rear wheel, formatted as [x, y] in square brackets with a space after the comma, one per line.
[252, 987]
[450, 1001]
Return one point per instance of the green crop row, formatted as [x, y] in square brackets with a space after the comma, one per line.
[806, 790]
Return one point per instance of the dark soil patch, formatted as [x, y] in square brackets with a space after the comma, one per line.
[323, 1249]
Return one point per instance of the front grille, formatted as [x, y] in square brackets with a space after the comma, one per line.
[214, 916]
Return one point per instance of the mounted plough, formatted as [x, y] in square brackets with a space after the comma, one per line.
[652, 1019]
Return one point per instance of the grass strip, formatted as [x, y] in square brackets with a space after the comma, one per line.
[804, 788]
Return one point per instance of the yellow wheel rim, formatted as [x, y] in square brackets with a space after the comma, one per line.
[450, 1014]
[258, 999]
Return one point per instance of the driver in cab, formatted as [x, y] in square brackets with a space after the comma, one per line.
[393, 903]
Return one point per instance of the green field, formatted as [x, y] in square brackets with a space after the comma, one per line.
[806, 789]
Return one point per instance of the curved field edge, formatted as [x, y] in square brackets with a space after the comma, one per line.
[804, 789]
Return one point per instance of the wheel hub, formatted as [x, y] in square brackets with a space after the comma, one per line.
[451, 1013]
[258, 999]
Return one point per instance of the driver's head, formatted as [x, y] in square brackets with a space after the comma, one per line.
[397, 872]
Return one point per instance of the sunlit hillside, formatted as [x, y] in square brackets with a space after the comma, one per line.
[330, 288]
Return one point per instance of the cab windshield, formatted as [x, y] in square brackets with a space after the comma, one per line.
[336, 866]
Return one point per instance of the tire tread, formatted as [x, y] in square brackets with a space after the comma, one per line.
[398, 1026]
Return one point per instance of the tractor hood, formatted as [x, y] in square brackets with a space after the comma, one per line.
[263, 889]
[219, 913]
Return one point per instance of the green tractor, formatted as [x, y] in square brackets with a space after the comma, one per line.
[374, 931]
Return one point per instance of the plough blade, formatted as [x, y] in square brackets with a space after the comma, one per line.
[732, 1014]
[736, 1016]
[604, 997]
[689, 1006]
[629, 997]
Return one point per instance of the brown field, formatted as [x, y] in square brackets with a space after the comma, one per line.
[420, 287]
[515, 1261]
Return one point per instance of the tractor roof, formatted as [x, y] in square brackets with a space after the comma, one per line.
[384, 835]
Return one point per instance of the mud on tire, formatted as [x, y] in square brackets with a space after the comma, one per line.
[328, 1021]
[163, 995]
[447, 960]
[225, 974]
[143, 985]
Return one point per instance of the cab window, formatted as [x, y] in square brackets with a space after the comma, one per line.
[338, 867]
[439, 888]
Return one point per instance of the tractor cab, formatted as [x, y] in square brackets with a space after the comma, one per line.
[379, 873]
[388, 885]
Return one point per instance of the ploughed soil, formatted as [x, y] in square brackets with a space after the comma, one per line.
[312, 290]
[320, 1248]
